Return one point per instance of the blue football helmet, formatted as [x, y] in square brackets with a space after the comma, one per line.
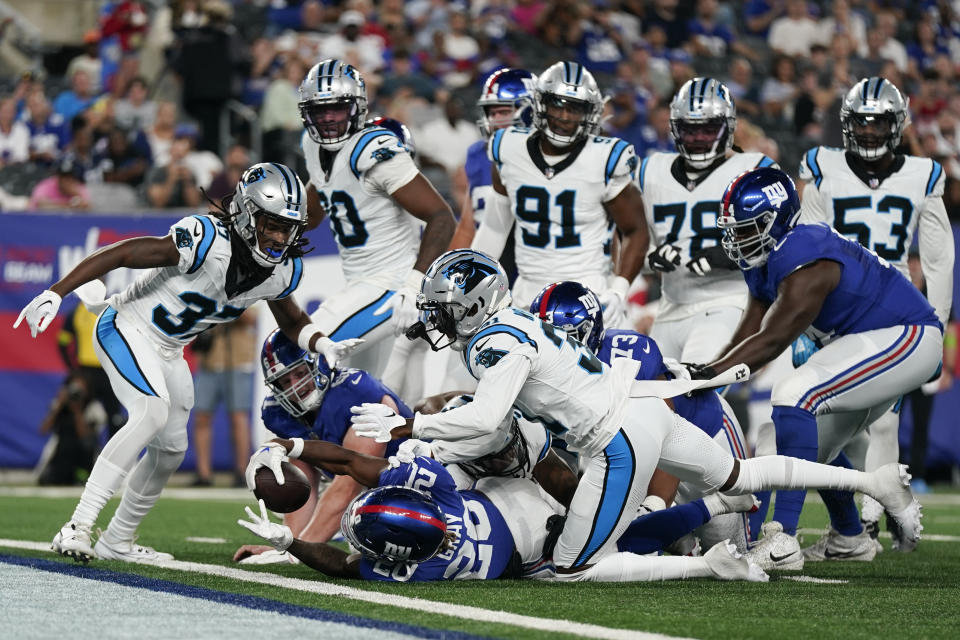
[395, 523]
[507, 87]
[758, 208]
[297, 379]
[397, 127]
[574, 308]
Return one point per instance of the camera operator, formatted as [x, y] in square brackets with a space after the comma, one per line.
[75, 419]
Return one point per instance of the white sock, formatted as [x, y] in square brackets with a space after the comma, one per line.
[630, 567]
[143, 490]
[782, 472]
[103, 482]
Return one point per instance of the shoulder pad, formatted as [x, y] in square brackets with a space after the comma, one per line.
[295, 265]
[373, 146]
[936, 180]
[621, 160]
[194, 237]
[810, 166]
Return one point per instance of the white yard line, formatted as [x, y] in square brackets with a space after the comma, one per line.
[416, 604]
[924, 537]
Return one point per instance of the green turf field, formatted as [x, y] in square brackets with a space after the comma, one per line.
[912, 595]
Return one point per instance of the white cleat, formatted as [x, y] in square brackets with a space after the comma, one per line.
[130, 552]
[271, 556]
[73, 541]
[893, 492]
[727, 564]
[834, 546]
[776, 550]
[724, 504]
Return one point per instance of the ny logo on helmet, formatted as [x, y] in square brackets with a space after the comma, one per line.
[467, 274]
[776, 193]
[396, 551]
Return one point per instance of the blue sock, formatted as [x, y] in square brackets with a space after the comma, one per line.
[655, 531]
[844, 516]
[757, 519]
[797, 438]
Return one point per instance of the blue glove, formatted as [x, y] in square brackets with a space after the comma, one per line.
[803, 347]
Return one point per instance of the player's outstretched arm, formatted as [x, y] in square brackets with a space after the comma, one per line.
[750, 323]
[799, 300]
[422, 201]
[326, 559]
[339, 461]
[296, 325]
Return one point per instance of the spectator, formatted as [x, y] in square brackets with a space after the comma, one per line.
[135, 111]
[760, 14]
[80, 149]
[263, 65]
[656, 135]
[363, 51]
[128, 21]
[123, 156]
[280, 115]
[599, 44]
[160, 135]
[65, 190]
[779, 91]
[709, 38]
[743, 90]
[48, 131]
[203, 164]
[403, 76]
[74, 421]
[445, 140]
[793, 34]
[78, 98]
[225, 377]
[89, 61]
[461, 50]
[923, 52]
[845, 22]
[173, 185]
[14, 135]
[225, 182]
[526, 15]
[931, 98]
[892, 49]
[626, 120]
[664, 14]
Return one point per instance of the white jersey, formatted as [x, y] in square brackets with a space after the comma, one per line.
[375, 234]
[883, 214]
[520, 360]
[177, 303]
[562, 230]
[683, 213]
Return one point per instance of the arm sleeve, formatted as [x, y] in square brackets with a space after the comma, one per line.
[498, 388]
[936, 255]
[492, 234]
[193, 235]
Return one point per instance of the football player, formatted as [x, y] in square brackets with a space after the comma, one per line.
[309, 399]
[576, 310]
[703, 295]
[365, 181]
[566, 187]
[520, 360]
[880, 336]
[870, 193]
[206, 271]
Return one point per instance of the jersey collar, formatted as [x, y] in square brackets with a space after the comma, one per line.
[679, 173]
[872, 180]
[550, 170]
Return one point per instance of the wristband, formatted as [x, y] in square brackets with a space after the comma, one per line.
[297, 448]
[303, 339]
[619, 285]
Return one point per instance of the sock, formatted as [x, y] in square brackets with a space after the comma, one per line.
[655, 531]
[144, 488]
[844, 516]
[797, 438]
[759, 517]
[103, 482]
[629, 567]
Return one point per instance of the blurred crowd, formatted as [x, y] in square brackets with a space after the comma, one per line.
[163, 98]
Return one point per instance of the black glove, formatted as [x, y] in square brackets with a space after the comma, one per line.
[665, 258]
[700, 371]
[706, 260]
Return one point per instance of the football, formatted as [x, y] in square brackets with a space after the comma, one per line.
[289, 496]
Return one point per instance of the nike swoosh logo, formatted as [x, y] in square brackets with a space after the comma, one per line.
[779, 558]
[382, 140]
[197, 232]
[646, 348]
[39, 306]
[841, 554]
[355, 380]
[480, 347]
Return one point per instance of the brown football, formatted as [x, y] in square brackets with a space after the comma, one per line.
[286, 497]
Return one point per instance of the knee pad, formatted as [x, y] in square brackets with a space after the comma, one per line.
[151, 412]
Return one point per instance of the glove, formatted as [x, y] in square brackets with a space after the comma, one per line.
[413, 448]
[271, 454]
[333, 352]
[278, 535]
[403, 304]
[374, 420]
[40, 312]
[613, 301]
[803, 347]
[665, 258]
[700, 371]
[706, 260]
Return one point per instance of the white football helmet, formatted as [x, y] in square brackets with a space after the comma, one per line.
[702, 121]
[567, 85]
[269, 207]
[333, 103]
[872, 117]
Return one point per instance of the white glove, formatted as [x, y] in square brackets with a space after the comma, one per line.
[374, 420]
[614, 302]
[270, 454]
[278, 535]
[333, 352]
[40, 312]
[665, 258]
[403, 304]
[413, 448]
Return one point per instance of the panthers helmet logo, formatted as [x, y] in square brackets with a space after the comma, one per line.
[254, 175]
[467, 274]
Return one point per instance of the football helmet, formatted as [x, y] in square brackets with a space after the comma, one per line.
[568, 86]
[872, 117]
[758, 208]
[574, 308]
[298, 379]
[502, 453]
[269, 207]
[461, 289]
[395, 523]
[511, 88]
[333, 103]
[397, 127]
[702, 121]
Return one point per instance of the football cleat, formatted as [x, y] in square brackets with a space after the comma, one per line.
[776, 550]
[835, 546]
[130, 552]
[893, 492]
[726, 564]
[73, 540]
[873, 530]
[271, 556]
[900, 542]
[746, 503]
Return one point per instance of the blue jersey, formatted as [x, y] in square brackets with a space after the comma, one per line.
[702, 408]
[479, 181]
[482, 544]
[350, 387]
[870, 295]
